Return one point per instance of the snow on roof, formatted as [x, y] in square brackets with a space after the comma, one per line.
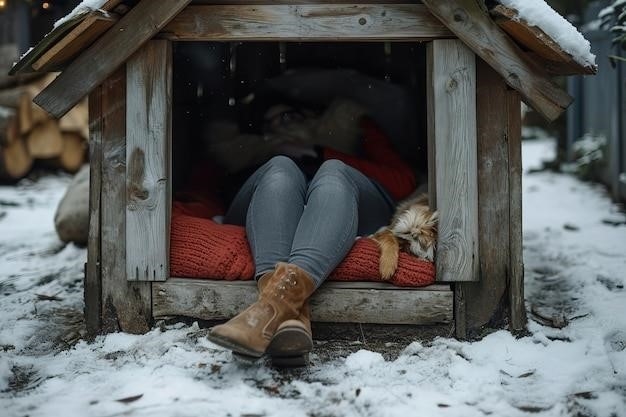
[84, 6]
[539, 13]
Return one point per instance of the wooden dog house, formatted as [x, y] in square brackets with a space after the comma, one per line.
[480, 65]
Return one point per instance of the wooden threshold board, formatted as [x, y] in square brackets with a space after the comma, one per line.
[337, 302]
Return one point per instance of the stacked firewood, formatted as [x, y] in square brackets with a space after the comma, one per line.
[29, 135]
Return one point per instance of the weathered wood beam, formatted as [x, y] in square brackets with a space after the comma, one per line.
[83, 35]
[93, 283]
[516, 260]
[333, 302]
[126, 306]
[148, 155]
[498, 297]
[112, 49]
[547, 52]
[452, 135]
[24, 65]
[472, 25]
[310, 22]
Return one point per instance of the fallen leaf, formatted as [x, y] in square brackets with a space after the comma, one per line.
[128, 400]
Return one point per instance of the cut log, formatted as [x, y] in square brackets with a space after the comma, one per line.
[20, 99]
[25, 113]
[45, 140]
[76, 120]
[11, 97]
[15, 161]
[74, 150]
[39, 115]
[8, 126]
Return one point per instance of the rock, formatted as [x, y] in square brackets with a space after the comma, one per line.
[71, 219]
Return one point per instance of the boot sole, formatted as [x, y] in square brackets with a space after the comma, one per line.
[235, 347]
[290, 342]
[290, 361]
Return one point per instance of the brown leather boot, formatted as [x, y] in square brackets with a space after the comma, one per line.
[281, 298]
[292, 341]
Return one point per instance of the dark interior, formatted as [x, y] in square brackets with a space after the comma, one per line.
[236, 81]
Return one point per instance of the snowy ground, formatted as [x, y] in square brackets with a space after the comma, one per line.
[572, 364]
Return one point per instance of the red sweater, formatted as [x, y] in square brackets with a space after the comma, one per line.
[381, 162]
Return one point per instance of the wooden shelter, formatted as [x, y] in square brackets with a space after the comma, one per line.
[479, 67]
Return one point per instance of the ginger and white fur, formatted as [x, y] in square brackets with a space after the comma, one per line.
[413, 229]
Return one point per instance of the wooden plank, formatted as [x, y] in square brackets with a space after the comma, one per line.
[516, 263]
[460, 310]
[350, 285]
[112, 49]
[93, 283]
[452, 124]
[24, 65]
[298, 2]
[534, 39]
[311, 22]
[486, 301]
[148, 177]
[473, 26]
[80, 37]
[126, 305]
[212, 300]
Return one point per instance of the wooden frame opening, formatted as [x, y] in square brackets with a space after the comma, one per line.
[130, 119]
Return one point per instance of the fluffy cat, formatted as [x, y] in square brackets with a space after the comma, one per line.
[413, 229]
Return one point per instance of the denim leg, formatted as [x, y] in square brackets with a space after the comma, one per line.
[270, 204]
[341, 203]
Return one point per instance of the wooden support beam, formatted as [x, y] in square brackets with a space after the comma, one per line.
[126, 306]
[516, 259]
[25, 64]
[452, 137]
[80, 37]
[93, 279]
[310, 22]
[472, 25]
[148, 156]
[110, 51]
[498, 297]
[547, 52]
[334, 302]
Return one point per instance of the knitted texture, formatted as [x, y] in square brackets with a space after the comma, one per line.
[202, 248]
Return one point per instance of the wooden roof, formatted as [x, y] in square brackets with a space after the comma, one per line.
[90, 46]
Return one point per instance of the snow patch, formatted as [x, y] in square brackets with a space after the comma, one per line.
[574, 274]
[84, 6]
[539, 13]
[364, 360]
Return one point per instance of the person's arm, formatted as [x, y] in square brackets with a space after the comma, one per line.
[381, 161]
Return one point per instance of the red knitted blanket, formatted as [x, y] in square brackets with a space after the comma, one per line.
[202, 248]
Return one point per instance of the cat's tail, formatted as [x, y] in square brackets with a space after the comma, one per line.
[389, 250]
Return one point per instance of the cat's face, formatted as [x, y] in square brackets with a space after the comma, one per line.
[416, 227]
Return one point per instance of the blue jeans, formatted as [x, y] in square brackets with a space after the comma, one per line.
[311, 225]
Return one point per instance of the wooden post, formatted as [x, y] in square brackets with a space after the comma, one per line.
[498, 297]
[516, 264]
[126, 306]
[453, 172]
[93, 284]
[148, 176]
